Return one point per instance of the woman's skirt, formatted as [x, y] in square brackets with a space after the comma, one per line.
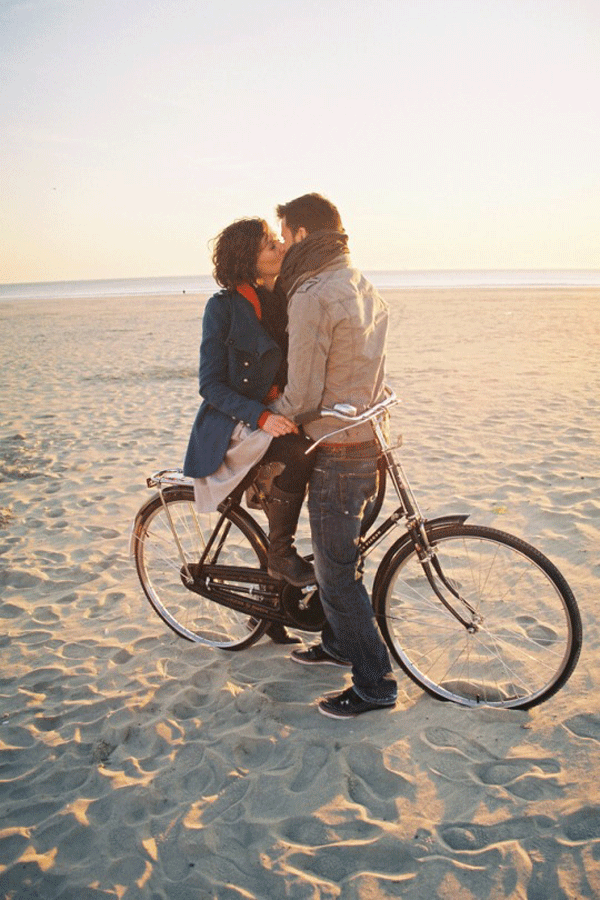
[246, 448]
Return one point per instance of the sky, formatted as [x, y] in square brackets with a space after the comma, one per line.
[451, 134]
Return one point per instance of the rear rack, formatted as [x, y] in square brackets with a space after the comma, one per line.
[168, 476]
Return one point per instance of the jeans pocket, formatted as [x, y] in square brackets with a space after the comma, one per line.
[355, 491]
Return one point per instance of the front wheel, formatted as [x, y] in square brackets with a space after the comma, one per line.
[168, 534]
[524, 634]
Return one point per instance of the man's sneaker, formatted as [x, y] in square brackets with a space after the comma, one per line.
[316, 656]
[348, 704]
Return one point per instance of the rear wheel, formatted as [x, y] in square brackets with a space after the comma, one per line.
[525, 635]
[160, 557]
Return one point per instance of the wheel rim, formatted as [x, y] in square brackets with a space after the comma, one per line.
[159, 565]
[522, 649]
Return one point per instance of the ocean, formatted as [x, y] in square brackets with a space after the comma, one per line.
[204, 284]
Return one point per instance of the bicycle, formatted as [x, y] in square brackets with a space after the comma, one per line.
[472, 614]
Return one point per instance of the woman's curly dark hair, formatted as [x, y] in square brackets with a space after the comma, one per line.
[236, 250]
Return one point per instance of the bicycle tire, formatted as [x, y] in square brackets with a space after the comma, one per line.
[159, 565]
[528, 643]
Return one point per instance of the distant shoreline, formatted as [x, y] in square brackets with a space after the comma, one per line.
[382, 279]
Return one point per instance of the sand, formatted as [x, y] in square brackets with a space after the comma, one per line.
[134, 764]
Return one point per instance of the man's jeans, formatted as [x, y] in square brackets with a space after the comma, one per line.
[341, 485]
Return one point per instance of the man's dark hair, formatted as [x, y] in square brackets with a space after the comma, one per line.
[236, 250]
[311, 211]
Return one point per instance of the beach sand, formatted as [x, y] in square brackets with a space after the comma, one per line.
[134, 764]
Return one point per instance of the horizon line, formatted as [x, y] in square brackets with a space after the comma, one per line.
[432, 271]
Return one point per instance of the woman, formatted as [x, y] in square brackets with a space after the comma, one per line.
[242, 370]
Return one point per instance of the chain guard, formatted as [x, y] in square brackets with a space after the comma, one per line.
[286, 604]
[304, 610]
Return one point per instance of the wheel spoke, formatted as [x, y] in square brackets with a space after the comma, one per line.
[173, 534]
[527, 631]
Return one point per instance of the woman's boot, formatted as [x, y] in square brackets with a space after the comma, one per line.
[283, 510]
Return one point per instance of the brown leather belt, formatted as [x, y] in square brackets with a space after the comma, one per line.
[364, 448]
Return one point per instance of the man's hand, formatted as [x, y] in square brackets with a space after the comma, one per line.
[279, 425]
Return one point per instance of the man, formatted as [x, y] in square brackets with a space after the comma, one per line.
[337, 334]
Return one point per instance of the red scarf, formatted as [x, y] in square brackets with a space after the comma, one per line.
[247, 291]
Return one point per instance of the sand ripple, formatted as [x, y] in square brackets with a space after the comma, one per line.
[135, 765]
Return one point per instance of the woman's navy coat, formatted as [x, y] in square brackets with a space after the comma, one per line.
[238, 362]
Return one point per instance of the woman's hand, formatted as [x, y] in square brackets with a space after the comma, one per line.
[279, 425]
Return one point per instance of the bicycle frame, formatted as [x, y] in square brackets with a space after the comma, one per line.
[408, 510]
[470, 613]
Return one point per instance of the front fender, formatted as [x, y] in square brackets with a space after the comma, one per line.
[402, 544]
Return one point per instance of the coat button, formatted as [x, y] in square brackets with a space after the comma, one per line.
[246, 363]
[245, 380]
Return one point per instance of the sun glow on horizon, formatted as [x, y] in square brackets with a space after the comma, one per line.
[450, 136]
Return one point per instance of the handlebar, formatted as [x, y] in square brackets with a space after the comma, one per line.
[347, 413]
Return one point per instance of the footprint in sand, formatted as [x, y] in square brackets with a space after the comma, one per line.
[313, 762]
[228, 806]
[530, 778]
[526, 777]
[372, 785]
[285, 691]
[387, 857]
[10, 611]
[187, 703]
[538, 633]
[583, 825]
[102, 531]
[445, 739]
[251, 753]
[366, 762]
[466, 836]
[310, 831]
[585, 725]
[21, 578]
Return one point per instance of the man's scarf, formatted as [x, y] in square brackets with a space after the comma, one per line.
[311, 256]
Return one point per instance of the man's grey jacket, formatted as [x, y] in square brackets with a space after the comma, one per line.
[337, 342]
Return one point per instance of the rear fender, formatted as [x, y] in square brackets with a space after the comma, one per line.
[237, 514]
[140, 515]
